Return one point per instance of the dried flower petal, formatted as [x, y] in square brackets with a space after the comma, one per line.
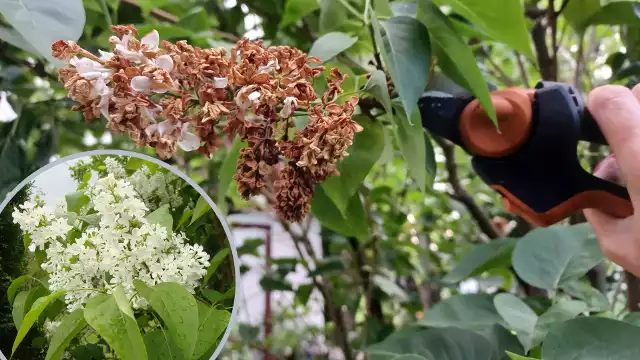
[175, 95]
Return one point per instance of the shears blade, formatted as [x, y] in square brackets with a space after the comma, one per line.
[440, 113]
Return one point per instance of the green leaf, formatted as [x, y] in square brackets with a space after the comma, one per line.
[41, 23]
[186, 216]
[558, 313]
[531, 329]
[353, 224]
[24, 301]
[409, 357]
[406, 50]
[377, 86]
[177, 309]
[581, 14]
[295, 10]
[228, 169]
[434, 344]
[332, 15]
[196, 19]
[76, 200]
[112, 318]
[363, 153]
[632, 318]
[303, 293]
[71, 326]
[503, 340]
[404, 8]
[593, 338]
[32, 316]
[160, 347]
[583, 290]
[513, 356]
[148, 5]
[14, 38]
[390, 287]
[250, 247]
[87, 352]
[519, 317]
[19, 307]
[211, 324]
[272, 283]
[213, 296]
[202, 207]
[443, 34]
[503, 20]
[135, 163]
[549, 257]
[93, 219]
[482, 258]
[331, 44]
[413, 144]
[469, 311]
[328, 266]
[215, 262]
[382, 8]
[15, 285]
[162, 216]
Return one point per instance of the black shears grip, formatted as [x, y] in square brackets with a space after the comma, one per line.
[543, 180]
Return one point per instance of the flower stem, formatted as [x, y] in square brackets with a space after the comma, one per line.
[352, 10]
[105, 10]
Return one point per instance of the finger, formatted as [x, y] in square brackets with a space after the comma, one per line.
[613, 233]
[636, 91]
[617, 112]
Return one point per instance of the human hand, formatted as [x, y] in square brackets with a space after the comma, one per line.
[616, 109]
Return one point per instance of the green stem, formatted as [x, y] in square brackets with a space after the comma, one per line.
[105, 10]
[352, 10]
[9, 137]
[367, 8]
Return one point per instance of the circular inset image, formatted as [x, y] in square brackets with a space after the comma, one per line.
[117, 255]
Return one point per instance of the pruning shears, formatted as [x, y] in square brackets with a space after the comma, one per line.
[531, 157]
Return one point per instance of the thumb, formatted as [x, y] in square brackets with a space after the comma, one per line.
[602, 223]
[612, 232]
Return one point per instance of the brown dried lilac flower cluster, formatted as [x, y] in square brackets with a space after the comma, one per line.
[168, 95]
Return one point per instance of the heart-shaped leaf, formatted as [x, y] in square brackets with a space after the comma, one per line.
[444, 34]
[434, 344]
[469, 311]
[41, 23]
[32, 316]
[503, 20]
[406, 50]
[482, 258]
[363, 154]
[331, 44]
[112, 318]
[178, 310]
[70, 326]
[593, 338]
[549, 257]
[211, 324]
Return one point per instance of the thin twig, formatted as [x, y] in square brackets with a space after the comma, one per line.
[461, 193]
[500, 74]
[522, 71]
[336, 315]
[168, 17]
[577, 76]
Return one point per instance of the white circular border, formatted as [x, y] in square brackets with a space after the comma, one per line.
[236, 262]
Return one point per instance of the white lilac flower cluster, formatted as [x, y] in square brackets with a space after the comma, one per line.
[156, 189]
[120, 247]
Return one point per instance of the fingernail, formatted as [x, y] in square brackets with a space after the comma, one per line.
[608, 158]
